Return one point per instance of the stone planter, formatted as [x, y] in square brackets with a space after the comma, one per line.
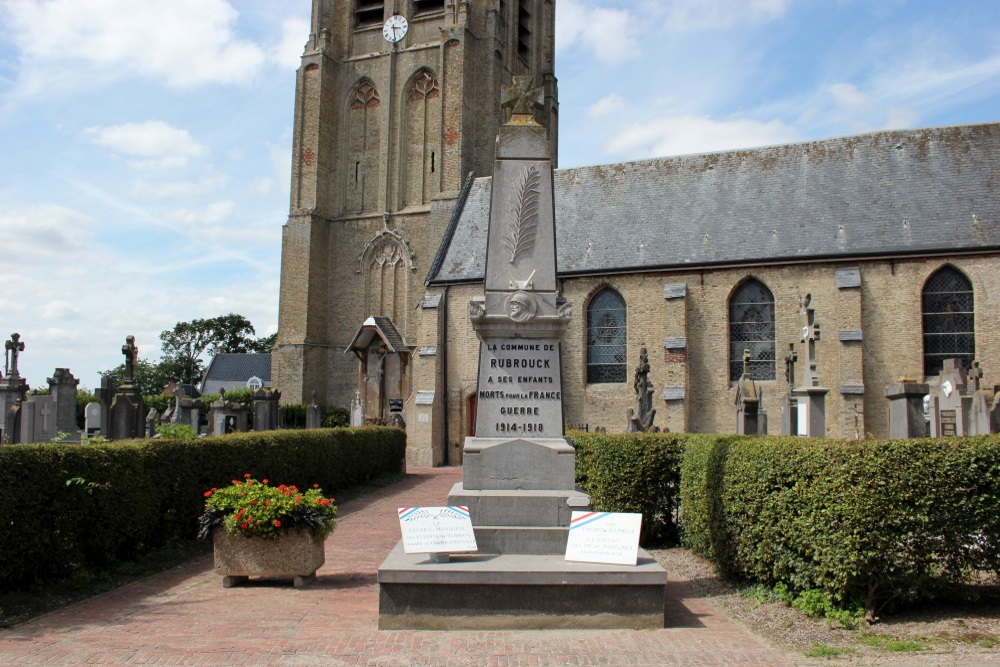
[295, 553]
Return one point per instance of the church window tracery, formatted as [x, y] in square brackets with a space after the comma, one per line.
[421, 138]
[364, 130]
[751, 326]
[606, 339]
[948, 320]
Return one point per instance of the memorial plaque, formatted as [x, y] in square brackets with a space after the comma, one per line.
[948, 423]
[604, 537]
[520, 392]
[436, 529]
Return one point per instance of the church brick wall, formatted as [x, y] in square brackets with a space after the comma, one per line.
[886, 308]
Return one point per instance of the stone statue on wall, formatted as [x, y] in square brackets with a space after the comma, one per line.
[641, 419]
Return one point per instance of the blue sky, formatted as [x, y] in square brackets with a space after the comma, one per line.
[145, 145]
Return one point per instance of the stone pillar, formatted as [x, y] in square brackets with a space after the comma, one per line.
[811, 397]
[675, 412]
[266, 415]
[906, 410]
[62, 388]
[226, 416]
[850, 353]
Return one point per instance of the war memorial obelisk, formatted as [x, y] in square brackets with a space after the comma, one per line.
[519, 470]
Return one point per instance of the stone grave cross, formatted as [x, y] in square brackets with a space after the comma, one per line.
[45, 411]
[13, 347]
[810, 334]
[130, 351]
[522, 98]
[975, 376]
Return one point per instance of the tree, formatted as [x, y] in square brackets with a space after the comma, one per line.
[150, 377]
[187, 341]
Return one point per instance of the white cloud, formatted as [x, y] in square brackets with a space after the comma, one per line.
[158, 144]
[847, 95]
[288, 51]
[184, 42]
[609, 34]
[213, 214]
[691, 15]
[606, 106]
[210, 182]
[44, 233]
[60, 310]
[680, 135]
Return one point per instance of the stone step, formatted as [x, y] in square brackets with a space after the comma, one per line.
[519, 508]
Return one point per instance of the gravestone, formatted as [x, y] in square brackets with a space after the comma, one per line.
[949, 406]
[519, 471]
[748, 400]
[357, 410]
[13, 389]
[980, 420]
[640, 420]
[314, 414]
[226, 416]
[152, 421]
[790, 404]
[92, 418]
[62, 387]
[127, 415]
[811, 397]
[906, 410]
[186, 409]
[106, 394]
[38, 419]
[266, 415]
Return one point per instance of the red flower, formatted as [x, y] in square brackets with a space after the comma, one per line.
[263, 481]
[246, 476]
[324, 502]
[315, 486]
[276, 523]
[280, 487]
[267, 502]
[253, 502]
[235, 481]
[244, 525]
[208, 493]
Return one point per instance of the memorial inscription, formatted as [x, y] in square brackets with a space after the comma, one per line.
[519, 389]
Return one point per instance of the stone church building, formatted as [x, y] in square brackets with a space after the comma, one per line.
[894, 235]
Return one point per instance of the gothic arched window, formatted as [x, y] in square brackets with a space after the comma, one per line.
[606, 338]
[361, 166]
[751, 326]
[948, 315]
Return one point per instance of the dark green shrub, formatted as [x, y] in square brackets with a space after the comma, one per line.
[64, 508]
[336, 416]
[633, 473]
[863, 521]
[293, 415]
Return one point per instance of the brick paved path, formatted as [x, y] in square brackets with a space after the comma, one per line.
[185, 616]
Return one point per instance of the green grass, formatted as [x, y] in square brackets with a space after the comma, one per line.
[891, 644]
[824, 651]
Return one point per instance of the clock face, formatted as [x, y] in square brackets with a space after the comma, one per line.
[395, 28]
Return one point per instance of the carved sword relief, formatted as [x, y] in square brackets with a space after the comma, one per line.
[523, 220]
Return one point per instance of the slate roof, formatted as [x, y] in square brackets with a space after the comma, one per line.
[381, 327]
[885, 193]
[231, 370]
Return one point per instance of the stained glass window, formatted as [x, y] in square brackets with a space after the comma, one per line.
[948, 320]
[751, 326]
[606, 338]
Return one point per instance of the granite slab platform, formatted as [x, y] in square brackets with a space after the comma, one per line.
[517, 591]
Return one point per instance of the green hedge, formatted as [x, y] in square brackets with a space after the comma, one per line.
[66, 507]
[633, 473]
[864, 521]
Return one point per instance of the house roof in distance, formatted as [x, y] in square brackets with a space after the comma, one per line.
[231, 370]
[884, 193]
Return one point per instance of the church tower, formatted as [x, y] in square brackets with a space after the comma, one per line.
[396, 103]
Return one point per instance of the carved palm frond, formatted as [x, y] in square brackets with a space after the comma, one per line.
[523, 221]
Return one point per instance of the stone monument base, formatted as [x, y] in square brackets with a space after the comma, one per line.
[517, 592]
